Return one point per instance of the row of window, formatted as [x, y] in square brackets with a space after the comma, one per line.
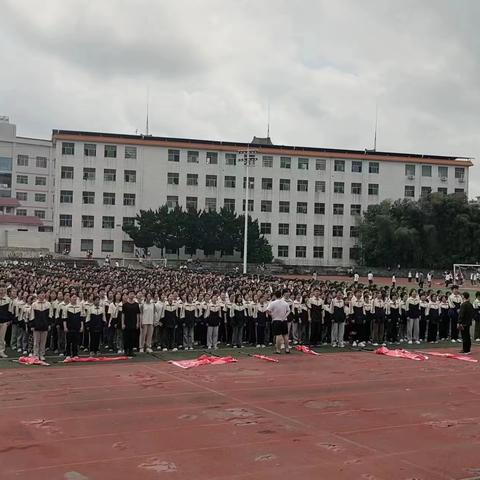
[88, 221]
[24, 160]
[87, 244]
[22, 212]
[410, 191]
[39, 181]
[301, 230]
[427, 171]
[39, 197]
[90, 150]
[109, 174]
[88, 198]
[318, 252]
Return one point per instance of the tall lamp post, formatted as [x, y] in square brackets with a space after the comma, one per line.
[249, 159]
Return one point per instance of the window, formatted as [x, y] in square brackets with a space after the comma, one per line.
[303, 163]
[39, 213]
[338, 187]
[266, 206]
[41, 162]
[5, 164]
[354, 231]
[459, 173]
[211, 181]
[300, 251]
[67, 173]
[319, 186]
[251, 182]
[66, 196]
[355, 209]
[301, 207]
[130, 176]
[192, 179]
[285, 162]
[337, 252]
[89, 174]
[338, 208]
[356, 188]
[231, 159]
[173, 178]
[409, 191]
[192, 156]
[109, 175]
[320, 164]
[65, 220]
[283, 251]
[90, 150]
[267, 183]
[191, 203]
[45, 228]
[88, 198]
[339, 165]
[41, 197]
[108, 222]
[354, 253]
[356, 167]
[410, 170]
[284, 207]
[64, 244]
[373, 167]
[22, 160]
[68, 148]
[21, 212]
[127, 246]
[131, 152]
[373, 188]
[129, 199]
[301, 229]
[460, 190]
[425, 191]
[318, 230]
[442, 190]
[172, 201]
[88, 221]
[110, 151]
[128, 221]
[173, 155]
[250, 205]
[22, 179]
[284, 184]
[212, 158]
[426, 170]
[40, 181]
[283, 229]
[22, 196]
[319, 208]
[266, 228]
[317, 252]
[230, 181]
[267, 161]
[211, 204]
[302, 185]
[229, 204]
[337, 231]
[443, 172]
[108, 198]
[86, 244]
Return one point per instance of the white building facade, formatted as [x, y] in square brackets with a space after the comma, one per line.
[307, 200]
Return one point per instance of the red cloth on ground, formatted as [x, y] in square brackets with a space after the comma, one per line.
[456, 356]
[305, 349]
[93, 359]
[202, 360]
[264, 357]
[32, 361]
[400, 353]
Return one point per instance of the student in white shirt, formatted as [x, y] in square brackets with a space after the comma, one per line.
[147, 317]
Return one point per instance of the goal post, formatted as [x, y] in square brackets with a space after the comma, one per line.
[466, 271]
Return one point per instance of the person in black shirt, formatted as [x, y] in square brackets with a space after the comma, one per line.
[130, 323]
[465, 318]
[73, 326]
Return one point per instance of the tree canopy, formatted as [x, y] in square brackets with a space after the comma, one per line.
[434, 232]
[213, 232]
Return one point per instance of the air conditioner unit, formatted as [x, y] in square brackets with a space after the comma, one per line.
[461, 180]
[443, 179]
[411, 177]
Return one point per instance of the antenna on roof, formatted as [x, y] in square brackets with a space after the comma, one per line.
[268, 119]
[148, 100]
[376, 126]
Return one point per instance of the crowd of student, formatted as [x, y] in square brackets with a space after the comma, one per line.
[70, 310]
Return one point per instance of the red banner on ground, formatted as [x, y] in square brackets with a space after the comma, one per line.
[32, 361]
[264, 357]
[305, 349]
[455, 356]
[202, 360]
[93, 359]
[400, 353]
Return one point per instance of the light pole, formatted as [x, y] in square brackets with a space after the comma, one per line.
[249, 159]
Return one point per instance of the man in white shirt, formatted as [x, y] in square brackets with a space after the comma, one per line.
[147, 311]
[370, 278]
[279, 309]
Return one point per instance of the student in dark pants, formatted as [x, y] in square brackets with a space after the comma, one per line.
[130, 323]
[73, 326]
[95, 323]
[169, 321]
[465, 318]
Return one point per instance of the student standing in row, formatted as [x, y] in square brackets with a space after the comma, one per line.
[73, 326]
[39, 317]
[95, 322]
[465, 318]
[413, 318]
[279, 311]
[4, 319]
[130, 323]
[147, 310]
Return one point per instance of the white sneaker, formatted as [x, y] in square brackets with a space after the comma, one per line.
[3, 355]
[258, 346]
[141, 350]
[418, 342]
[375, 344]
[149, 350]
[164, 350]
[42, 358]
[342, 345]
[25, 352]
[354, 344]
[19, 350]
[410, 342]
[453, 340]
[263, 346]
[61, 355]
[234, 346]
[334, 345]
[174, 349]
[68, 358]
[119, 352]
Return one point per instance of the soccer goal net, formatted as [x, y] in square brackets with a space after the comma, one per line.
[466, 273]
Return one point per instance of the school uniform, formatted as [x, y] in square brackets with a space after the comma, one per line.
[147, 319]
[15, 338]
[433, 321]
[261, 323]
[444, 320]
[213, 316]
[58, 322]
[424, 315]
[224, 327]
[476, 317]
[20, 326]
[295, 328]
[106, 340]
[4, 321]
[85, 304]
[28, 338]
[95, 322]
[327, 323]
[357, 313]
[250, 310]
[72, 323]
[237, 317]
[378, 330]
[338, 322]
[40, 315]
[201, 326]
[188, 315]
[402, 328]
[115, 326]
[169, 321]
[130, 313]
[316, 315]
[413, 319]
[454, 302]
[369, 309]
[393, 311]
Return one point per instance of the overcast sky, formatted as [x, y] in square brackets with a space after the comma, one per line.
[212, 67]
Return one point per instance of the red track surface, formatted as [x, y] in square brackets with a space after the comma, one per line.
[335, 416]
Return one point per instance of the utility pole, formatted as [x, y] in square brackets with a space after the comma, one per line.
[249, 159]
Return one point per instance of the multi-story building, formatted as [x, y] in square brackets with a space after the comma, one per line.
[307, 200]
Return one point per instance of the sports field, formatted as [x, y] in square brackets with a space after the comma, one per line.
[350, 415]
